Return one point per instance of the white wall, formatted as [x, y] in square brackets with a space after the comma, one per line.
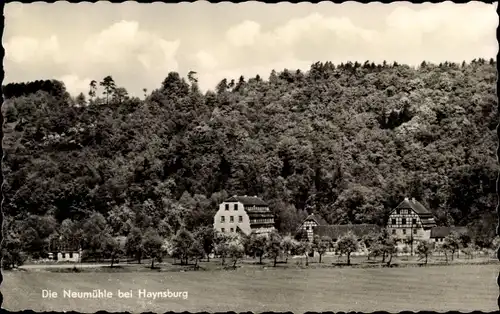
[75, 257]
[227, 225]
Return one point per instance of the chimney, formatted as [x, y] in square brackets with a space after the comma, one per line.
[406, 199]
[413, 199]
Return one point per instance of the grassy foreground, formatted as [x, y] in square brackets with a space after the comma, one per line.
[455, 287]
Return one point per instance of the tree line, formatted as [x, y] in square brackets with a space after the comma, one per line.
[96, 239]
[346, 141]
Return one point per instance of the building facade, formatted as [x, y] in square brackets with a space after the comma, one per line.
[69, 256]
[409, 223]
[309, 224]
[410, 220]
[244, 214]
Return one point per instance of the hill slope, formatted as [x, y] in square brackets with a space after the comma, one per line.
[347, 141]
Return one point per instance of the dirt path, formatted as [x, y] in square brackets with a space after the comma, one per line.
[78, 265]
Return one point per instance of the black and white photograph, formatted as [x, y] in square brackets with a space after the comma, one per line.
[250, 157]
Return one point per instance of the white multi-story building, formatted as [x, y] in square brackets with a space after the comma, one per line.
[245, 214]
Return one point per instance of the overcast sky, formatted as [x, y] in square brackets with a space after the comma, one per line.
[138, 44]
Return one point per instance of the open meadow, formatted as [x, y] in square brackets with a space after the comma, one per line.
[454, 287]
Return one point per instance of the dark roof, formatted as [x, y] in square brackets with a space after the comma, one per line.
[238, 230]
[428, 222]
[247, 200]
[415, 205]
[336, 231]
[443, 232]
[317, 218]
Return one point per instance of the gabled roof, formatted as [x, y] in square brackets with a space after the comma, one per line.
[247, 200]
[443, 232]
[316, 218]
[414, 205]
[336, 231]
[238, 230]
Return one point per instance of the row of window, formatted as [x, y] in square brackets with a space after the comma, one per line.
[224, 230]
[402, 211]
[403, 221]
[404, 231]
[261, 220]
[235, 206]
[64, 255]
[231, 219]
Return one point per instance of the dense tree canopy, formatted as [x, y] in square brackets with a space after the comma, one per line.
[347, 141]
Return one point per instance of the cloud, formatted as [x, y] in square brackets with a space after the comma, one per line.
[205, 60]
[28, 50]
[243, 34]
[134, 57]
[320, 28]
[74, 84]
[137, 57]
[124, 42]
[443, 32]
[407, 35]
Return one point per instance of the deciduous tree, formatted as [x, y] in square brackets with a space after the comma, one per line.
[347, 244]
[273, 247]
[424, 249]
[152, 246]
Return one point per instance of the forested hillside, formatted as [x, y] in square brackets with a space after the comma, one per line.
[347, 141]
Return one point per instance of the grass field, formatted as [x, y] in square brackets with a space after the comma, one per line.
[454, 287]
